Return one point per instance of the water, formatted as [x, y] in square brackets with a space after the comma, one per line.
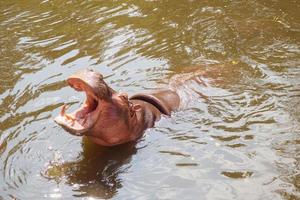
[238, 62]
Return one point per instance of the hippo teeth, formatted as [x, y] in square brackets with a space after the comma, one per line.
[82, 119]
[63, 109]
[67, 116]
[82, 114]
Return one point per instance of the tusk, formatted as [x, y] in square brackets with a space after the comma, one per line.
[70, 118]
[63, 109]
[67, 116]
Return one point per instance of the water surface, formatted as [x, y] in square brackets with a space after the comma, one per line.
[236, 63]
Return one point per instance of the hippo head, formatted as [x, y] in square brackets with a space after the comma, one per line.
[106, 117]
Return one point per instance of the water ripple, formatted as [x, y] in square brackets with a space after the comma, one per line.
[234, 64]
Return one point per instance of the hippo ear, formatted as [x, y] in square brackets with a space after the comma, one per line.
[123, 95]
[136, 107]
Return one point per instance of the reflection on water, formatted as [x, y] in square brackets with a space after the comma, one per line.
[234, 63]
[95, 172]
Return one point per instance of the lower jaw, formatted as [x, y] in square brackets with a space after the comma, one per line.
[69, 128]
[78, 123]
[102, 142]
[76, 132]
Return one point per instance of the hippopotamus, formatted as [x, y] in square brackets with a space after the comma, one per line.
[111, 118]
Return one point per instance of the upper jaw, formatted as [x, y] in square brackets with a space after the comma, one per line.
[91, 82]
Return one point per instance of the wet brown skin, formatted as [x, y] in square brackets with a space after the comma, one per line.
[109, 118]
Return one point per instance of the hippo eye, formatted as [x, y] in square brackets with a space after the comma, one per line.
[123, 96]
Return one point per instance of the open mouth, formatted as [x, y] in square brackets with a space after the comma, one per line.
[82, 119]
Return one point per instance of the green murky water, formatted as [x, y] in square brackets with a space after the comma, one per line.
[238, 61]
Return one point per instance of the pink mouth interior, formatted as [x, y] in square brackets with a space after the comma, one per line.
[83, 118]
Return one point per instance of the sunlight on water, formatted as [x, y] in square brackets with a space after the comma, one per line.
[235, 65]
